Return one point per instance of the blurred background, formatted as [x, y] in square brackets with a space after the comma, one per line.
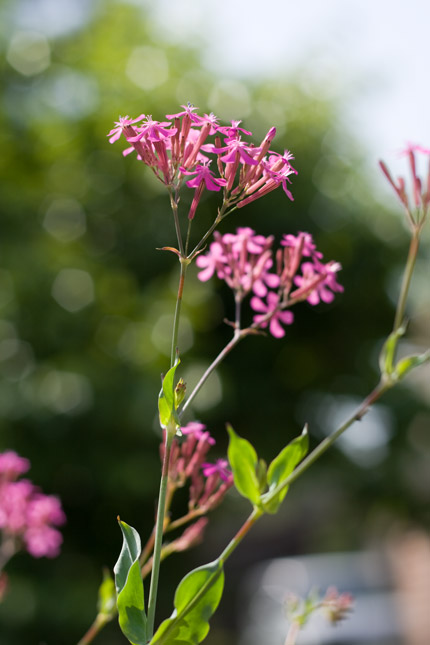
[86, 301]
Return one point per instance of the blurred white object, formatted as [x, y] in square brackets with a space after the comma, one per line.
[374, 619]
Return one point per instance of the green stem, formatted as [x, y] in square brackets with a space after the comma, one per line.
[174, 205]
[187, 240]
[159, 535]
[325, 444]
[223, 212]
[293, 632]
[407, 276]
[184, 264]
[100, 621]
[244, 530]
[238, 335]
[206, 236]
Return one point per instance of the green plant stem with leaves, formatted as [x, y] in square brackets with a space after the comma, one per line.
[389, 378]
[269, 501]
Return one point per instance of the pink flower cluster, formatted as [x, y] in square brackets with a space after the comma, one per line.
[27, 516]
[208, 482]
[179, 148]
[245, 262]
[420, 194]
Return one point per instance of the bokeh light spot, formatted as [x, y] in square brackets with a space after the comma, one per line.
[29, 52]
[73, 289]
[65, 392]
[65, 219]
[147, 67]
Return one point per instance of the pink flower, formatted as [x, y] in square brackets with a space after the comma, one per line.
[235, 148]
[45, 509]
[318, 281]
[212, 120]
[203, 175]
[242, 260]
[153, 131]
[121, 127]
[271, 314]
[213, 261]
[233, 131]
[27, 515]
[12, 465]
[43, 541]
[198, 430]
[188, 111]
[303, 241]
[220, 468]
[14, 501]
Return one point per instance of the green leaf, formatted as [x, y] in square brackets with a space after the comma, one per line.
[166, 400]
[106, 604]
[388, 351]
[244, 463]
[129, 587]
[196, 599]
[281, 467]
[405, 365]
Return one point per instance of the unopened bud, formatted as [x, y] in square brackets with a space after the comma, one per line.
[180, 390]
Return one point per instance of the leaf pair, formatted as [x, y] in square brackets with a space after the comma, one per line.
[254, 480]
[391, 372]
[196, 598]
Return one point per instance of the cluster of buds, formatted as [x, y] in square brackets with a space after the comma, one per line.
[27, 516]
[245, 262]
[208, 482]
[334, 605]
[179, 147]
[418, 209]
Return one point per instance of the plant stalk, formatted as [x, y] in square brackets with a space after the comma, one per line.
[407, 276]
[237, 337]
[158, 535]
[175, 332]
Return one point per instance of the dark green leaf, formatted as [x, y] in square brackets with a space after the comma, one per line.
[281, 467]
[244, 461]
[129, 587]
[196, 599]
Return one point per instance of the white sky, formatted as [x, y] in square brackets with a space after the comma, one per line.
[373, 53]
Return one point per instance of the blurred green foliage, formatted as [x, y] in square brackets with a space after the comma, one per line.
[87, 301]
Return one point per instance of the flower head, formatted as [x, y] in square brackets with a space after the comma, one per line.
[220, 468]
[27, 516]
[417, 212]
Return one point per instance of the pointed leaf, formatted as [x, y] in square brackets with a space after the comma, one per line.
[388, 351]
[405, 365]
[244, 462]
[166, 399]
[129, 587]
[281, 467]
[196, 599]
